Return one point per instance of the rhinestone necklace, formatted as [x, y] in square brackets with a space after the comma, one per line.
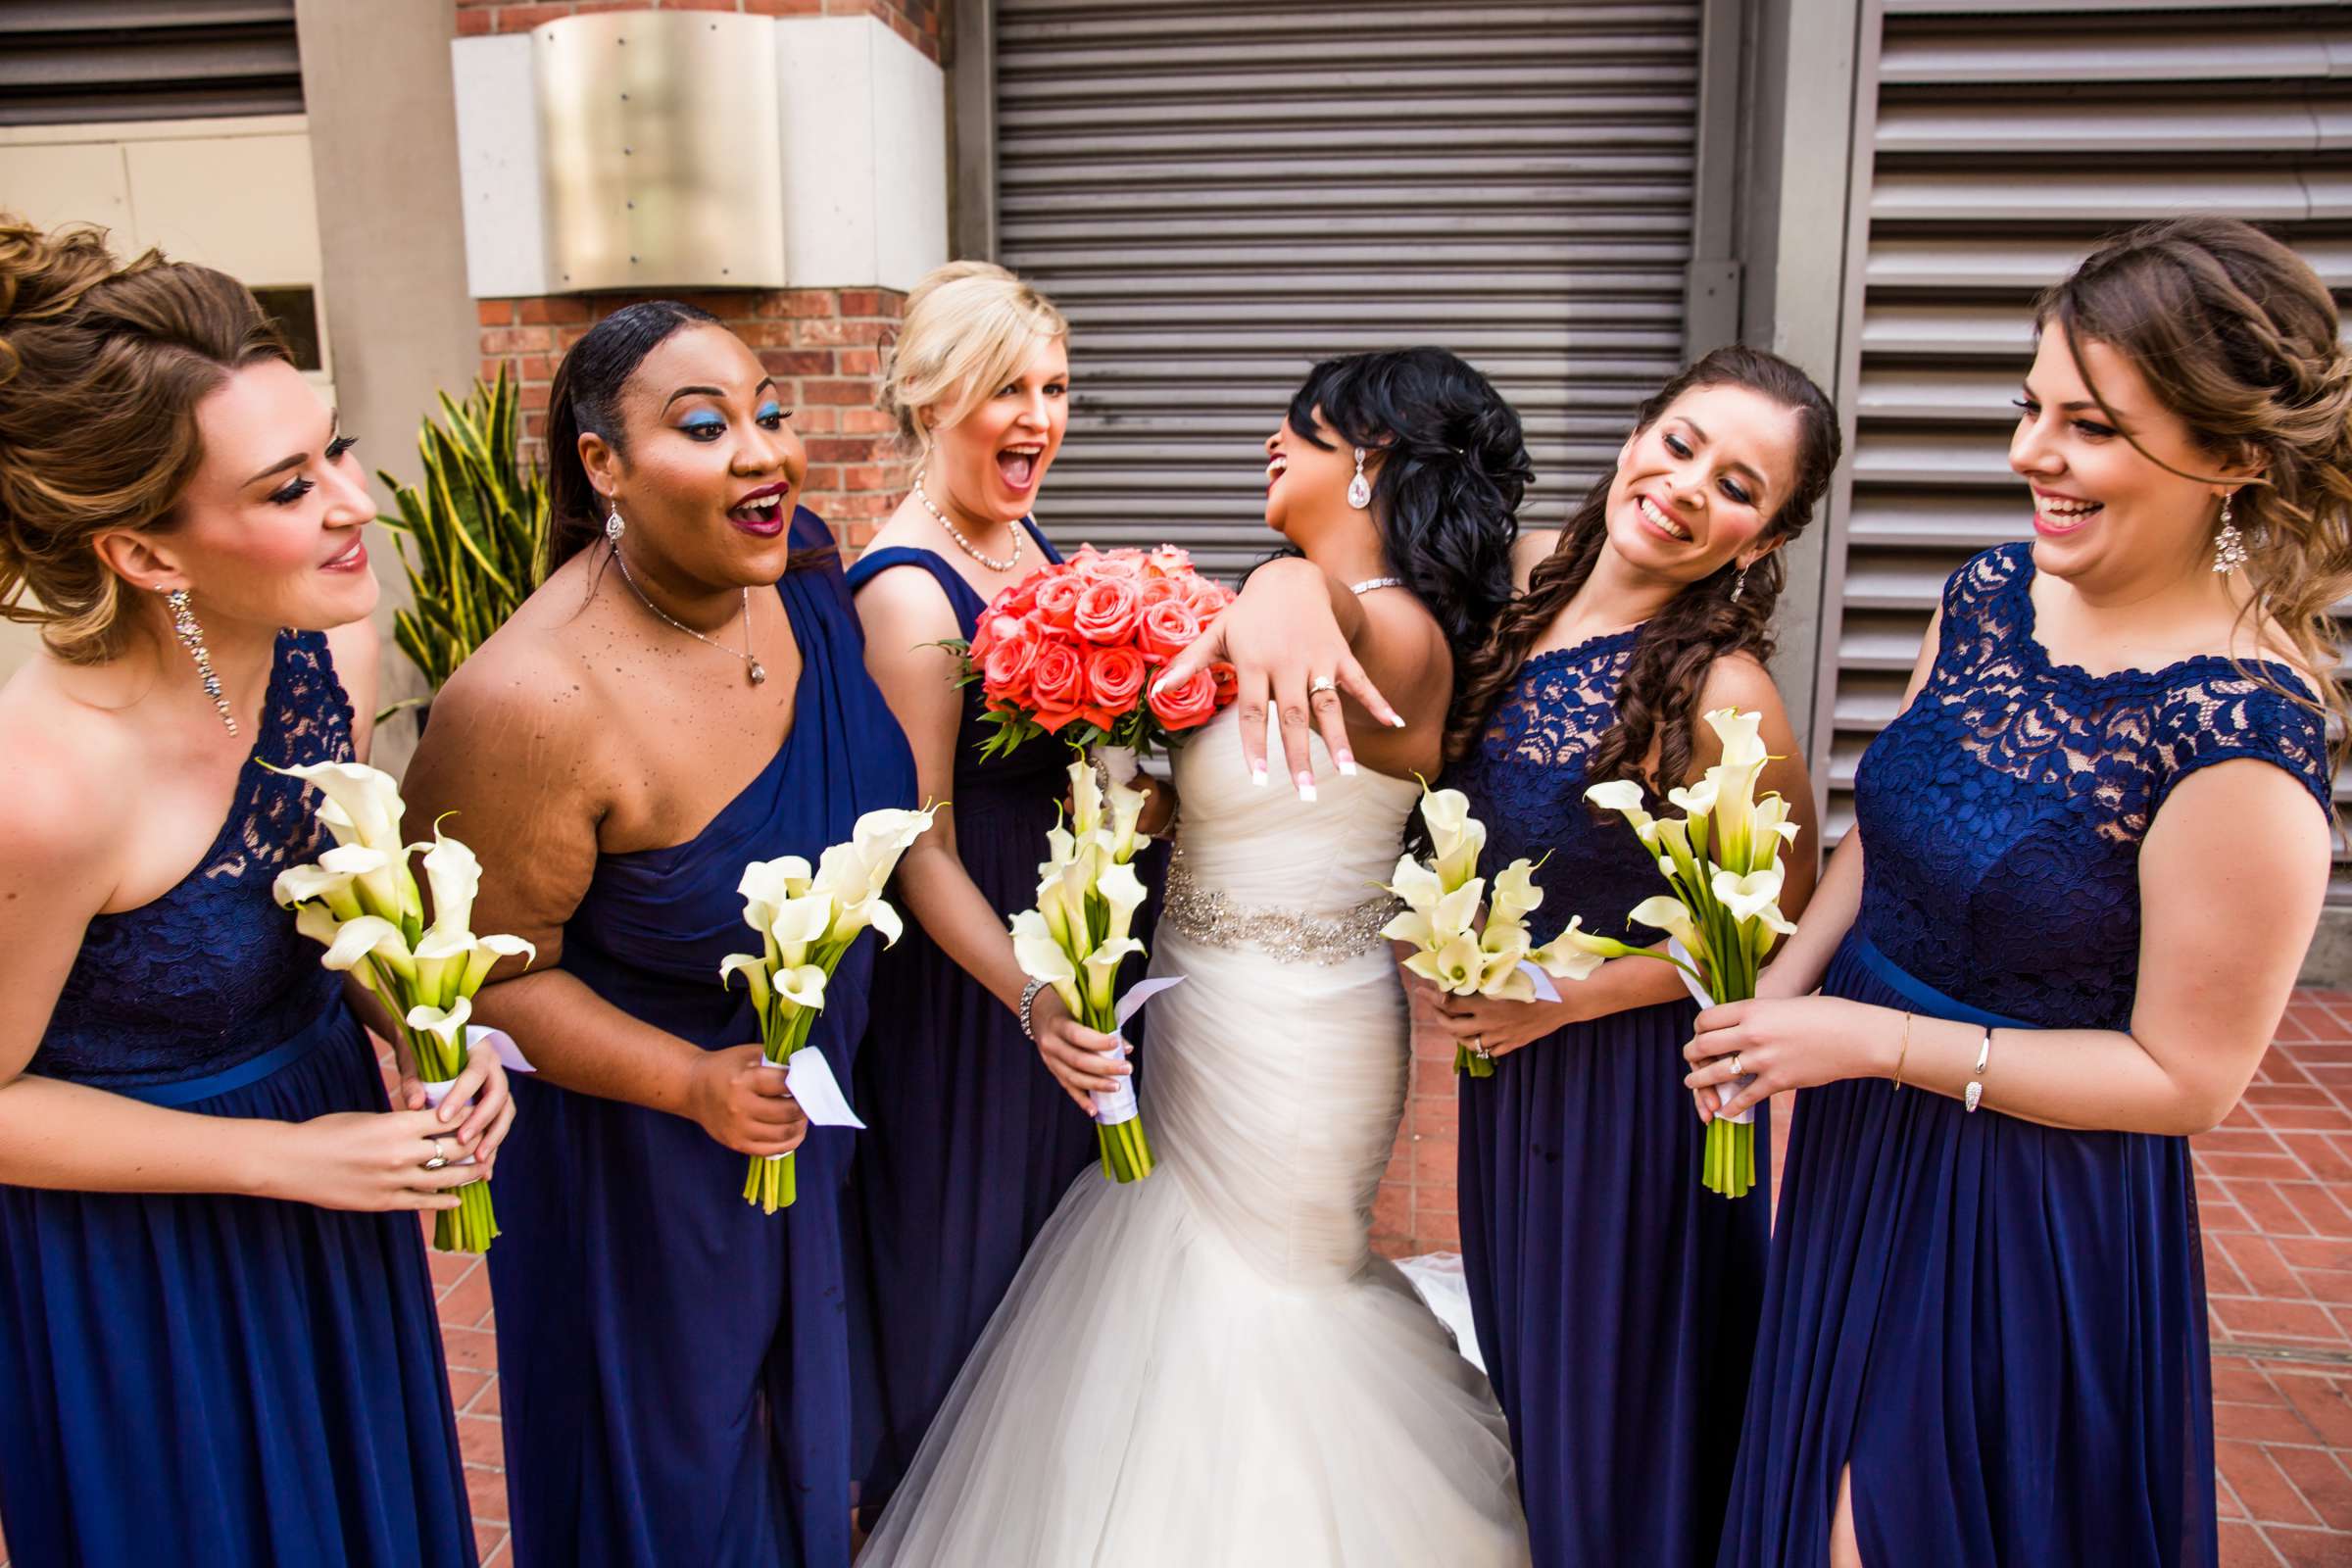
[965, 545]
[750, 664]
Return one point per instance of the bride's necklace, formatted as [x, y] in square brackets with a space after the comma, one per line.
[750, 662]
[965, 545]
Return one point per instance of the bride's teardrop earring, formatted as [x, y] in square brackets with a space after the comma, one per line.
[1359, 488]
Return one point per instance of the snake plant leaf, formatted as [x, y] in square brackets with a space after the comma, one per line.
[470, 531]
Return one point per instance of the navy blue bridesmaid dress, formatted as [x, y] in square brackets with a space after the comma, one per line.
[972, 1141]
[1615, 1298]
[216, 1381]
[2000, 1326]
[675, 1366]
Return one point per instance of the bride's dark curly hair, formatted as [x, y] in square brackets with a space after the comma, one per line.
[1658, 700]
[1446, 496]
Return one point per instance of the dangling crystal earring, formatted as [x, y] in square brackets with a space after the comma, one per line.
[614, 526]
[1739, 585]
[1359, 488]
[191, 637]
[2229, 546]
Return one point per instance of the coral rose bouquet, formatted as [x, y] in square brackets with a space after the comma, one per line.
[1722, 858]
[360, 901]
[1072, 649]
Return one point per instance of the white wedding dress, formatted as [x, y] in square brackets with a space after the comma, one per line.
[1210, 1367]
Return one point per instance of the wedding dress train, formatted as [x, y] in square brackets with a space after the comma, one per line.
[1210, 1368]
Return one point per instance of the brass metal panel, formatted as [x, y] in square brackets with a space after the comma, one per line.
[660, 159]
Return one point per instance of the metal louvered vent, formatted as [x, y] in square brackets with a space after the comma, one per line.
[71, 61]
[1219, 194]
[2009, 138]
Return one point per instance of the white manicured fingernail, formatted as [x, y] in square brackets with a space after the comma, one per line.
[1307, 786]
[1395, 722]
[1346, 767]
[1258, 775]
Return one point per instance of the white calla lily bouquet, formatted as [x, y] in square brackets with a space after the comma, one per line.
[1723, 860]
[1452, 947]
[1078, 936]
[806, 920]
[361, 902]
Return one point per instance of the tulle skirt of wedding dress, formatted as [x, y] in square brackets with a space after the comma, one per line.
[1210, 1367]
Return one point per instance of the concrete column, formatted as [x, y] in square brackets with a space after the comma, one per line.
[384, 148]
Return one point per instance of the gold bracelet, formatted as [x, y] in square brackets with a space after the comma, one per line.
[1903, 1055]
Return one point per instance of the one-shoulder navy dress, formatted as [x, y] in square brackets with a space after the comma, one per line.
[2000, 1326]
[972, 1141]
[215, 1382]
[1615, 1297]
[675, 1366]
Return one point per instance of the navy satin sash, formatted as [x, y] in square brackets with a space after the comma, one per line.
[1925, 997]
[252, 1070]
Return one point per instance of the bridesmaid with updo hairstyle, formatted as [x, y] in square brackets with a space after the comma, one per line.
[2086, 863]
[973, 1134]
[218, 1343]
[684, 694]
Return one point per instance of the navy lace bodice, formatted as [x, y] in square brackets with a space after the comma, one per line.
[2002, 813]
[212, 972]
[1525, 782]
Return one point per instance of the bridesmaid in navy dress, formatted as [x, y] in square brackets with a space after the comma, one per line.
[218, 1343]
[1616, 1299]
[684, 695]
[2086, 862]
[974, 1137]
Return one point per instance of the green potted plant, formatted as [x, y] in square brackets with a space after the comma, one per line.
[470, 536]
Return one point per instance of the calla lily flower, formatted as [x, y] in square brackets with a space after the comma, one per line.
[456, 877]
[1666, 914]
[303, 887]
[449, 1023]
[1515, 893]
[1456, 911]
[1694, 800]
[753, 967]
[1748, 897]
[800, 924]
[1416, 884]
[1102, 969]
[1624, 796]
[367, 803]
[369, 936]
[803, 986]
[1455, 966]
[1742, 737]
[1086, 799]
[1124, 893]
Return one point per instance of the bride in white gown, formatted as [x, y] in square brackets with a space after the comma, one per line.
[1210, 1368]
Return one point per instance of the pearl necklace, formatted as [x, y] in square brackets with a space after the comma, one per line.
[965, 545]
[751, 667]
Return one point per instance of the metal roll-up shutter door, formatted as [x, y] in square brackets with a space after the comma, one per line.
[75, 61]
[2009, 138]
[1219, 194]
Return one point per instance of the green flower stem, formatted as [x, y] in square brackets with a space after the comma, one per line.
[1466, 1060]
[773, 1184]
[1126, 1151]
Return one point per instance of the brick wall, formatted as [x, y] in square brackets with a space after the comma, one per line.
[1414, 1210]
[915, 20]
[824, 346]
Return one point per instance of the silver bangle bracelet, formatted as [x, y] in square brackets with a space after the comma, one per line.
[1028, 1000]
[1976, 1086]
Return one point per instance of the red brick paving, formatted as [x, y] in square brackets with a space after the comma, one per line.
[2273, 1182]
